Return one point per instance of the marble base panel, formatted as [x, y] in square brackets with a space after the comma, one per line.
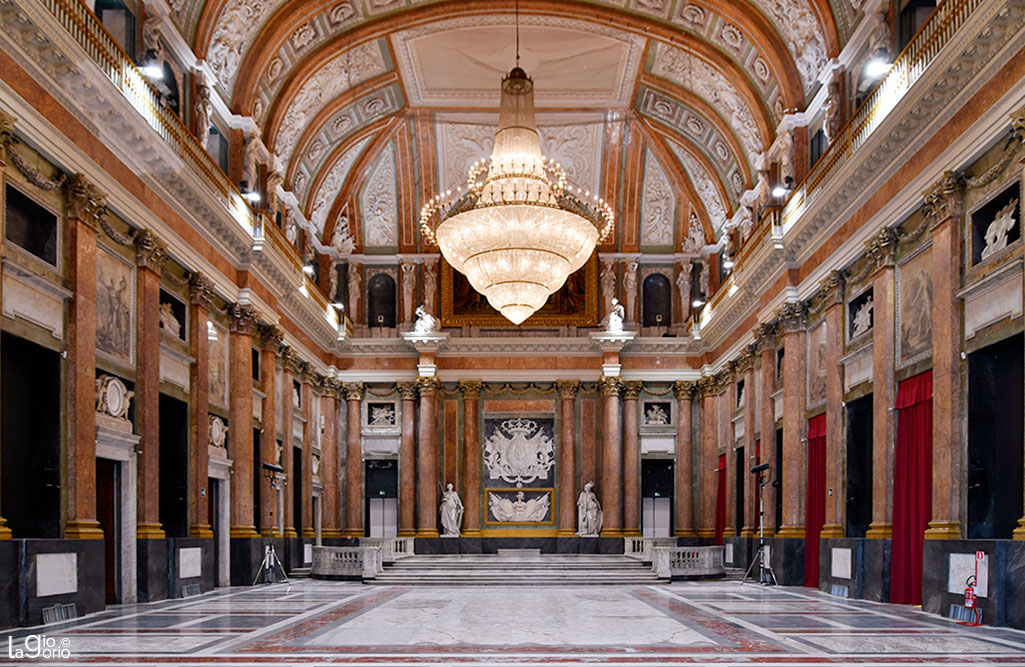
[91, 592]
[855, 548]
[787, 559]
[9, 571]
[246, 555]
[687, 541]
[153, 569]
[1004, 603]
[877, 570]
[491, 545]
[206, 580]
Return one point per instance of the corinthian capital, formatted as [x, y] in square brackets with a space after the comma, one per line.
[684, 388]
[150, 253]
[243, 319]
[946, 198]
[792, 316]
[632, 388]
[353, 391]
[471, 388]
[85, 202]
[882, 248]
[428, 386]
[407, 390]
[610, 385]
[567, 388]
[201, 291]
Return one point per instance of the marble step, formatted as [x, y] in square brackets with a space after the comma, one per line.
[517, 570]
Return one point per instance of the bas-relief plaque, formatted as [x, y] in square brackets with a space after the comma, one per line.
[115, 294]
[218, 347]
[519, 506]
[574, 304]
[914, 308]
[817, 365]
[519, 458]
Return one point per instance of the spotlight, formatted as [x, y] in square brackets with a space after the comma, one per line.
[308, 269]
[779, 191]
[727, 263]
[339, 306]
[149, 65]
[251, 196]
[877, 67]
[697, 303]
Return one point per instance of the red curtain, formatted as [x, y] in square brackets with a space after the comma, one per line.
[912, 487]
[815, 507]
[720, 501]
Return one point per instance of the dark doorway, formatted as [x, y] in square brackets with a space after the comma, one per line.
[777, 484]
[257, 482]
[381, 294]
[739, 470]
[995, 384]
[658, 301]
[297, 489]
[174, 466]
[30, 429]
[108, 513]
[380, 513]
[859, 466]
[213, 500]
[656, 497]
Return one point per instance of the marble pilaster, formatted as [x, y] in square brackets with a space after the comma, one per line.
[766, 336]
[881, 251]
[427, 459]
[353, 460]
[749, 525]
[270, 342]
[610, 493]
[835, 450]
[309, 429]
[567, 463]
[329, 406]
[150, 256]
[684, 468]
[407, 461]
[243, 320]
[200, 301]
[6, 128]
[728, 445]
[470, 488]
[792, 319]
[708, 458]
[290, 365]
[631, 460]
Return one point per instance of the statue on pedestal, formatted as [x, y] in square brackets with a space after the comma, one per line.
[589, 514]
[451, 513]
[614, 323]
[425, 323]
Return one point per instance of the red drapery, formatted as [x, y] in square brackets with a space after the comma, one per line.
[816, 502]
[912, 487]
[720, 501]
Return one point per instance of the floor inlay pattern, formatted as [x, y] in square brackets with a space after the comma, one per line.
[316, 622]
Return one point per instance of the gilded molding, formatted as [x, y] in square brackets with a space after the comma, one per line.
[632, 389]
[353, 391]
[568, 388]
[428, 386]
[407, 390]
[201, 291]
[243, 319]
[609, 385]
[945, 199]
[471, 388]
[150, 253]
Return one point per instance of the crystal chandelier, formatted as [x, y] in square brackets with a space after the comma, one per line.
[516, 230]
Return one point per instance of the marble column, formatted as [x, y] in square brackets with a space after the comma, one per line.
[427, 459]
[728, 445]
[470, 489]
[708, 458]
[201, 296]
[881, 251]
[243, 321]
[270, 341]
[684, 493]
[353, 460]
[832, 292]
[749, 522]
[290, 365]
[795, 428]
[407, 461]
[944, 206]
[631, 460]
[765, 336]
[331, 523]
[310, 427]
[150, 256]
[85, 206]
[612, 457]
[567, 462]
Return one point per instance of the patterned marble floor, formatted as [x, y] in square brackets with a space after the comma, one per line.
[315, 622]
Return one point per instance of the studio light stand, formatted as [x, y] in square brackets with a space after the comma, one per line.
[271, 564]
[766, 576]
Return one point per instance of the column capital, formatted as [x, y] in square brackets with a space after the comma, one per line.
[428, 386]
[7, 122]
[242, 318]
[353, 391]
[831, 289]
[684, 389]
[610, 385]
[765, 334]
[706, 386]
[1018, 129]
[567, 388]
[201, 291]
[271, 337]
[332, 387]
[407, 390]
[471, 388]
[793, 317]
[290, 360]
[84, 200]
[881, 249]
[746, 360]
[150, 253]
[632, 389]
[945, 199]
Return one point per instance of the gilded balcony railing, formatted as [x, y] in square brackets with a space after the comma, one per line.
[909, 66]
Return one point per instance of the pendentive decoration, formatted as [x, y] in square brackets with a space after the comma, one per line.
[517, 230]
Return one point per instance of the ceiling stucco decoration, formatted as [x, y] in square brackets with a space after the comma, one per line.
[690, 71]
[457, 62]
[379, 203]
[345, 70]
[573, 139]
[796, 23]
[332, 184]
[695, 240]
[700, 131]
[237, 26]
[658, 205]
[703, 185]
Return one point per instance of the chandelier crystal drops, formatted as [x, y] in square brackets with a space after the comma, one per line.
[516, 230]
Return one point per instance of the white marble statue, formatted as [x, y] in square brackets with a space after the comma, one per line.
[630, 289]
[425, 322]
[203, 108]
[614, 322]
[996, 233]
[655, 415]
[408, 286]
[608, 284]
[863, 318]
[292, 232]
[589, 514]
[355, 286]
[341, 239]
[534, 510]
[451, 513]
[430, 283]
[684, 279]
[705, 280]
[168, 322]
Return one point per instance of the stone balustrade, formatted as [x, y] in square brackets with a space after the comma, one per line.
[642, 548]
[392, 548]
[687, 562]
[360, 563]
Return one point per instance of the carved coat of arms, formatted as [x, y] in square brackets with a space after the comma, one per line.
[519, 452]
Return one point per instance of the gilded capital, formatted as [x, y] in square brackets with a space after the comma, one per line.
[1017, 126]
[567, 388]
[684, 388]
[353, 391]
[471, 388]
[7, 122]
[428, 386]
[707, 386]
[331, 387]
[201, 291]
[243, 319]
[407, 390]
[84, 201]
[150, 253]
[765, 334]
[610, 385]
[632, 389]
[291, 362]
[945, 199]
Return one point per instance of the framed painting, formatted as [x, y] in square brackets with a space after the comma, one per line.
[575, 304]
[115, 310]
[218, 346]
[914, 308]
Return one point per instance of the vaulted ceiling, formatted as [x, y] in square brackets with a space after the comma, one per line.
[372, 106]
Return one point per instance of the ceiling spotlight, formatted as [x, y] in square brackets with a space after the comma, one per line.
[876, 67]
[149, 65]
[697, 303]
[308, 269]
[250, 196]
[727, 263]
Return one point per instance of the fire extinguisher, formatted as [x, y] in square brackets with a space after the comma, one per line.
[969, 593]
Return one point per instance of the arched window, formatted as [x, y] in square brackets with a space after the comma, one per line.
[381, 298]
[658, 300]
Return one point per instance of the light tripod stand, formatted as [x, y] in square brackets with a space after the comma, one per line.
[270, 566]
[766, 576]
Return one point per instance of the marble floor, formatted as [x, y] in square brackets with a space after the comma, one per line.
[317, 622]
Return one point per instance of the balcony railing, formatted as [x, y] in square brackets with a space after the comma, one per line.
[909, 66]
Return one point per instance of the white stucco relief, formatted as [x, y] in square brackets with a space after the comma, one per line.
[658, 204]
[379, 203]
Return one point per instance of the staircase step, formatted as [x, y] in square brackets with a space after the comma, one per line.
[517, 568]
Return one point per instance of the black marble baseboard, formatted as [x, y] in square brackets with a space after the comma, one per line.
[1004, 603]
[491, 545]
[91, 594]
[856, 582]
[153, 568]
[786, 556]
[877, 570]
[247, 556]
